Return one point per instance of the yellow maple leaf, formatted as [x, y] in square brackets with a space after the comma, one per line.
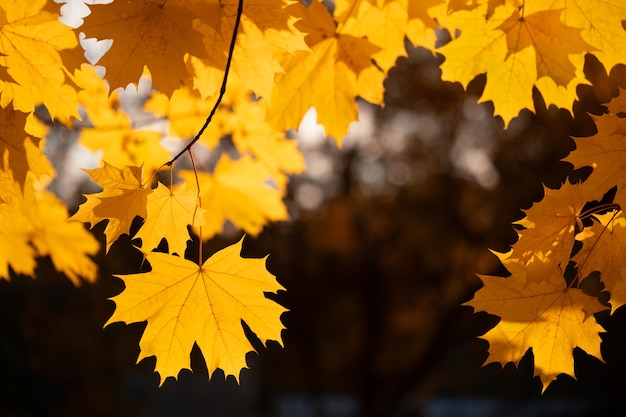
[123, 198]
[518, 47]
[169, 212]
[124, 145]
[605, 152]
[184, 304]
[538, 313]
[244, 119]
[603, 250]
[186, 111]
[181, 38]
[551, 225]
[67, 242]
[337, 70]
[151, 33]
[387, 23]
[32, 40]
[266, 35]
[602, 26]
[21, 145]
[16, 251]
[238, 191]
[35, 223]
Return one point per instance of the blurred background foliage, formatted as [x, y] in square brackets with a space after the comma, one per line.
[386, 238]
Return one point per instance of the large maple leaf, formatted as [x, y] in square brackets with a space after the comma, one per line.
[31, 42]
[167, 36]
[518, 48]
[185, 303]
[538, 313]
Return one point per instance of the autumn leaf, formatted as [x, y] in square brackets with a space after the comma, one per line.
[68, 244]
[34, 223]
[387, 23]
[266, 35]
[539, 313]
[21, 145]
[603, 250]
[186, 111]
[238, 191]
[149, 34]
[244, 121]
[32, 40]
[184, 304]
[338, 63]
[517, 49]
[551, 225]
[123, 198]
[169, 212]
[124, 145]
[605, 152]
[602, 26]
[179, 39]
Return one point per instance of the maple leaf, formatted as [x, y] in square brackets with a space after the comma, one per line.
[67, 243]
[538, 313]
[21, 145]
[184, 304]
[517, 50]
[237, 191]
[15, 231]
[170, 38]
[169, 211]
[551, 225]
[124, 145]
[603, 251]
[602, 26]
[35, 223]
[31, 40]
[338, 63]
[151, 33]
[387, 23]
[244, 120]
[266, 35]
[186, 111]
[123, 198]
[605, 152]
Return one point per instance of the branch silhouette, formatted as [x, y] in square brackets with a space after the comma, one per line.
[231, 50]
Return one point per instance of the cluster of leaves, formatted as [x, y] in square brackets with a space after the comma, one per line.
[266, 63]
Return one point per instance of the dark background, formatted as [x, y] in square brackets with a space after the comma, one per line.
[376, 275]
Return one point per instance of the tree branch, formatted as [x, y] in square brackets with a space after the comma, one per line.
[231, 50]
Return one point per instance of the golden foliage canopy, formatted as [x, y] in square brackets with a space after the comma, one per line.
[251, 77]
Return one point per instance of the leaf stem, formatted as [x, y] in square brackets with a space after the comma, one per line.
[231, 51]
[193, 164]
[615, 213]
[598, 209]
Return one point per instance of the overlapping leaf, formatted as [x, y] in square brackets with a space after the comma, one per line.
[123, 198]
[32, 40]
[539, 313]
[171, 38]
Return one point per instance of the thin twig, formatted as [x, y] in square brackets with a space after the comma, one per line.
[231, 50]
